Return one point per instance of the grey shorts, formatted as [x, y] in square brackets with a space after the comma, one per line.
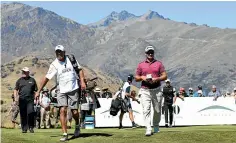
[128, 105]
[69, 99]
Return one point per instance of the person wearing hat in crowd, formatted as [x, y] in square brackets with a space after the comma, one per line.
[227, 94]
[44, 102]
[200, 93]
[199, 87]
[190, 92]
[214, 93]
[126, 95]
[97, 92]
[24, 94]
[233, 94]
[169, 95]
[69, 84]
[150, 73]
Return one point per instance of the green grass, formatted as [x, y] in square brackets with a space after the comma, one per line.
[196, 134]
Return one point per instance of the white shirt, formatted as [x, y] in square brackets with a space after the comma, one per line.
[66, 75]
[45, 100]
[125, 86]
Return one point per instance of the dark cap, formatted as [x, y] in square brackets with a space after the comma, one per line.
[130, 77]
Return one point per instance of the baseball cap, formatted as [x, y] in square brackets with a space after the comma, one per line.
[190, 88]
[26, 69]
[235, 88]
[199, 86]
[148, 48]
[59, 47]
[168, 80]
[130, 77]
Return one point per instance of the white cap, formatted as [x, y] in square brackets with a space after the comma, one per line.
[26, 69]
[148, 48]
[227, 92]
[168, 80]
[199, 91]
[97, 89]
[190, 88]
[59, 47]
[235, 88]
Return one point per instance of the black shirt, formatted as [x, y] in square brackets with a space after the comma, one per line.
[168, 94]
[26, 87]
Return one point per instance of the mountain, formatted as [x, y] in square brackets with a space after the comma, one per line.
[113, 17]
[26, 30]
[151, 14]
[116, 17]
[192, 54]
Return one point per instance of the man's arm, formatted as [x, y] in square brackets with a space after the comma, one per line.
[175, 96]
[162, 77]
[42, 84]
[138, 76]
[81, 77]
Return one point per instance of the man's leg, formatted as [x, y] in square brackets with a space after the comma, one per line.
[120, 119]
[146, 105]
[73, 104]
[42, 112]
[23, 115]
[166, 114]
[47, 117]
[171, 114]
[156, 102]
[63, 113]
[62, 100]
[31, 115]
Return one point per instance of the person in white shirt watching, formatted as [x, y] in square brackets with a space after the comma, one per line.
[44, 102]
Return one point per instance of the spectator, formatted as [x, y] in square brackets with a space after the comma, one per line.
[190, 92]
[233, 94]
[214, 93]
[227, 94]
[24, 97]
[45, 101]
[151, 72]
[200, 93]
[55, 114]
[85, 109]
[97, 92]
[15, 111]
[182, 93]
[37, 111]
[199, 88]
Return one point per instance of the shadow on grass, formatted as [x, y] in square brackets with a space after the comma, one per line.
[85, 135]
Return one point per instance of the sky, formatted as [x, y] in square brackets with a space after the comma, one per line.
[214, 14]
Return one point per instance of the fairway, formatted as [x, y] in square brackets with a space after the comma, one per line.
[196, 134]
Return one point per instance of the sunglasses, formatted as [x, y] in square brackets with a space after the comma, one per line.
[150, 52]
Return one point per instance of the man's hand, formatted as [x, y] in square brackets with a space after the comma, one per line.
[155, 80]
[143, 78]
[36, 94]
[83, 86]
